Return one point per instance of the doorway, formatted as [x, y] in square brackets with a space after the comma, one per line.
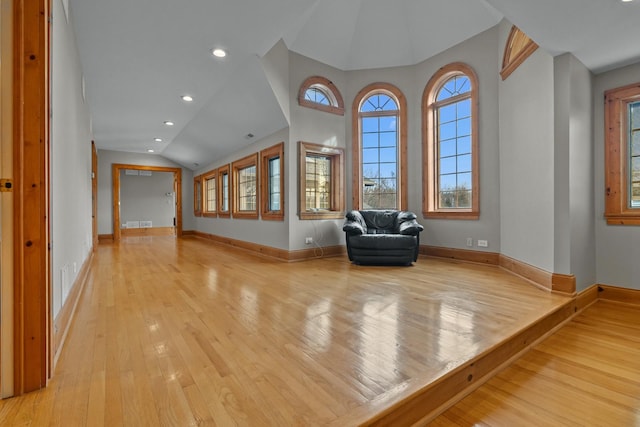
[176, 198]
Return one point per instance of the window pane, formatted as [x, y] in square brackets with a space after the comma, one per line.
[464, 127]
[388, 123]
[388, 155]
[448, 148]
[318, 183]
[211, 194]
[448, 165]
[225, 192]
[447, 113]
[464, 145]
[634, 154]
[464, 163]
[378, 102]
[274, 184]
[389, 139]
[388, 170]
[464, 108]
[247, 189]
[447, 131]
[370, 140]
[369, 124]
[370, 155]
[316, 95]
[447, 182]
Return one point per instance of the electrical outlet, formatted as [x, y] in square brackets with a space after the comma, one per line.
[483, 243]
[469, 241]
[308, 240]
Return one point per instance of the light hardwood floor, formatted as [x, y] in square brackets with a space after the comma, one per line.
[178, 332]
[586, 374]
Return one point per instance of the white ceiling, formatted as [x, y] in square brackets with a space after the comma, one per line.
[140, 56]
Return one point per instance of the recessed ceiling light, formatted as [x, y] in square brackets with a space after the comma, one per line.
[219, 53]
[150, 150]
[627, 1]
[169, 123]
[157, 139]
[187, 98]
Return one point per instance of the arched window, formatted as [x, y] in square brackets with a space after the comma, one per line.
[379, 148]
[320, 93]
[450, 154]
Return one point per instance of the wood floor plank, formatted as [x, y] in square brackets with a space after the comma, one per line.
[189, 332]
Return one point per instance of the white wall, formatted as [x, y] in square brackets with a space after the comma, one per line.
[617, 247]
[147, 198]
[71, 222]
[107, 158]
[526, 104]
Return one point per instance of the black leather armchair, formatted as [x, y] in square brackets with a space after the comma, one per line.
[382, 237]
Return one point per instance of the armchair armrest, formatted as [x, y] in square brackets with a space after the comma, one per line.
[354, 223]
[407, 224]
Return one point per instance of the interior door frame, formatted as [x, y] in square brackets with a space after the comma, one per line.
[31, 188]
[115, 175]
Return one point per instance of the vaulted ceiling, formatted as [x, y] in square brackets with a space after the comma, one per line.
[140, 56]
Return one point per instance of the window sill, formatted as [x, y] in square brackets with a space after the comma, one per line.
[622, 219]
[322, 215]
[444, 214]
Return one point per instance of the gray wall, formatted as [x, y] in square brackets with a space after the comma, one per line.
[618, 248]
[574, 247]
[526, 100]
[107, 158]
[145, 198]
[481, 54]
[268, 233]
[71, 222]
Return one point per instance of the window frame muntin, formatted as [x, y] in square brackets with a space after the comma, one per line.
[617, 210]
[337, 204]
[236, 166]
[356, 153]
[265, 156]
[430, 180]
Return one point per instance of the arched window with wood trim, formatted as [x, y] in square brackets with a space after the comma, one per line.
[450, 144]
[380, 148]
[518, 48]
[321, 94]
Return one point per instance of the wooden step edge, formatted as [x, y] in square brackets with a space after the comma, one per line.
[430, 401]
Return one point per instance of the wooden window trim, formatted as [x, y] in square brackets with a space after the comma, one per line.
[516, 50]
[236, 167]
[401, 101]
[327, 84]
[617, 210]
[205, 211]
[276, 151]
[429, 158]
[197, 188]
[336, 154]
[224, 170]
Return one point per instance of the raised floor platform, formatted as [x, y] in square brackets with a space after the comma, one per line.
[184, 331]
